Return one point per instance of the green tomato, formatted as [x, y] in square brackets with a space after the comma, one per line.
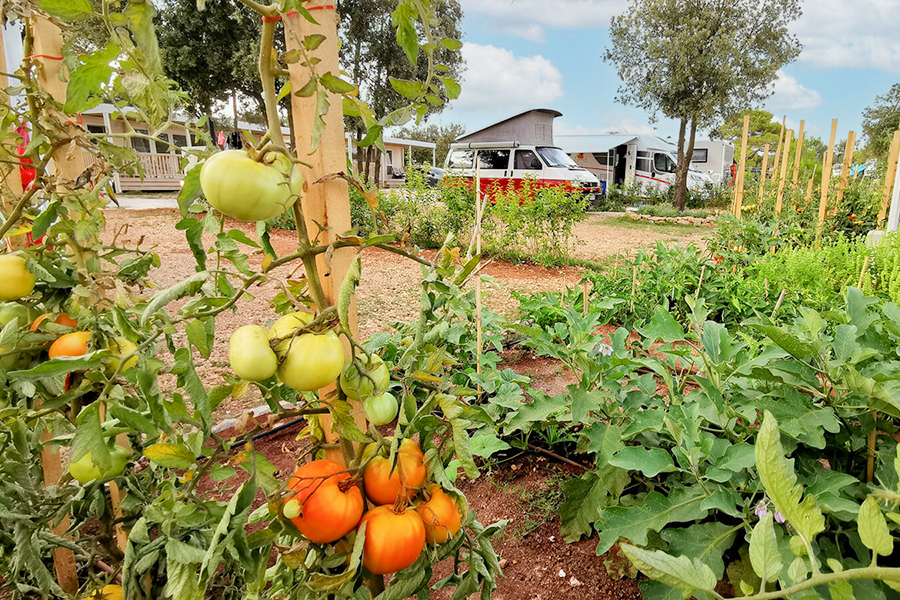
[18, 281]
[249, 353]
[247, 190]
[120, 348]
[287, 325]
[381, 410]
[311, 361]
[357, 385]
[85, 471]
[11, 310]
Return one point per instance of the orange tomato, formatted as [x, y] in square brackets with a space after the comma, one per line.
[327, 504]
[439, 514]
[70, 344]
[394, 540]
[384, 486]
[61, 319]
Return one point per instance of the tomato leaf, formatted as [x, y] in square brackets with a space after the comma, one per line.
[170, 456]
[345, 295]
[89, 438]
[407, 89]
[187, 378]
[94, 71]
[140, 23]
[451, 87]
[313, 41]
[61, 366]
[44, 220]
[451, 44]
[308, 89]
[190, 189]
[335, 84]
[68, 10]
[179, 290]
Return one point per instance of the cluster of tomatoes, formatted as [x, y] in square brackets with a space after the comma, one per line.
[18, 283]
[308, 361]
[326, 504]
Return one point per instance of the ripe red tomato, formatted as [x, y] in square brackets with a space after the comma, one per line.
[394, 540]
[439, 514]
[70, 344]
[327, 504]
[384, 486]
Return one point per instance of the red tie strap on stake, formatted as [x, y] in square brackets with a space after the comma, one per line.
[294, 12]
[47, 56]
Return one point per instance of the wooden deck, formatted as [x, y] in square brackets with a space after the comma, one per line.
[162, 172]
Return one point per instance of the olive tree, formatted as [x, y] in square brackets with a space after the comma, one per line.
[881, 120]
[698, 61]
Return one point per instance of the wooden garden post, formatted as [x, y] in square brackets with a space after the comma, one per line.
[11, 175]
[798, 154]
[739, 184]
[326, 203]
[845, 169]
[889, 177]
[782, 177]
[762, 173]
[778, 148]
[826, 174]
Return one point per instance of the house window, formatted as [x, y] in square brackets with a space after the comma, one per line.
[494, 159]
[389, 159]
[701, 155]
[140, 144]
[96, 129]
[179, 140]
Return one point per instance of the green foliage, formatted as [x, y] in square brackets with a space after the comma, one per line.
[880, 121]
[440, 135]
[763, 130]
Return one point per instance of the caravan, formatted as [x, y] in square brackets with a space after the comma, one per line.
[644, 160]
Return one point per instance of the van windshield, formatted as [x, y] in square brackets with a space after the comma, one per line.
[554, 157]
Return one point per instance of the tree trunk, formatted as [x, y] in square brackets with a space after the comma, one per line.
[378, 181]
[684, 162]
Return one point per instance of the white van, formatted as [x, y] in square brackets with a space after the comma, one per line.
[504, 162]
[646, 160]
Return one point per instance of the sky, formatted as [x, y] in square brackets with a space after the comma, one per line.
[524, 54]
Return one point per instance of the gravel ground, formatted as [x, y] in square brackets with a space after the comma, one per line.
[389, 289]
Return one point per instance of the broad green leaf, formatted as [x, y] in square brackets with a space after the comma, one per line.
[777, 475]
[95, 70]
[196, 333]
[484, 443]
[44, 220]
[61, 366]
[451, 44]
[140, 15]
[170, 456]
[649, 461]
[764, 554]
[541, 407]
[283, 92]
[407, 89]
[68, 10]
[191, 190]
[845, 341]
[88, 438]
[657, 511]
[403, 21]
[451, 88]
[583, 402]
[313, 41]
[335, 84]
[787, 341]
[873, 529]
[706, 542]
[585, 496]
[343, 423]
[182, 288]
[603, 439]
[879, 398]
[681, 572]
[662, 326]
[187, 378]
[841, 590]
[308, 89]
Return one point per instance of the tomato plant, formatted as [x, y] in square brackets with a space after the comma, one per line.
[130, 399]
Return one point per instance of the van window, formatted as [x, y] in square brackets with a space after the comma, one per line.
[643, 164]
[493, 159]
[554, 157]
[663, 163]
[701, 155]
[462, 159]
[602, 158]
[528, 160]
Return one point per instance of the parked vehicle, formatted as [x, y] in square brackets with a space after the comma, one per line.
[625, 159]
[431, 175]
[714, 157]
[504, 162]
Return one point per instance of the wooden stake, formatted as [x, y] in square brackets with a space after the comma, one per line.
[809, 189]
[762, 173]
[585, 290]
[845, 169]
[479, 210]
[826, 174]
[63, 558]
[325, 204]
[862, 274]
[780, 145]
[798, 155]
[782, 178]
[700, 283]
[890, 172]
[633, 286]
[739, 186]
[870, 459]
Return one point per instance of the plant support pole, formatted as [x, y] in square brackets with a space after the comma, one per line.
[798, 154]
[739, 185]
[826, 175]
[782, 178]
[762, 173]
[845, 168]
[479, 214]
[889, 177]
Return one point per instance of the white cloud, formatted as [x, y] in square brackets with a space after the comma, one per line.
[614, 121]
[858, 35]
[530, 18]
[497, 81]
[791, 96]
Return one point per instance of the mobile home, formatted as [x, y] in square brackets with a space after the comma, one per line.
[714, 157]
[646, 160]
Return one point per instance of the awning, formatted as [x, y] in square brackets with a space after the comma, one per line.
[592, 143]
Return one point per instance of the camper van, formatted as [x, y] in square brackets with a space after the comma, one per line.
[502, 163]
[714, 157]
[646, 160]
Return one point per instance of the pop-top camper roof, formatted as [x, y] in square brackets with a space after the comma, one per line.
[532, 127]
[604, 143]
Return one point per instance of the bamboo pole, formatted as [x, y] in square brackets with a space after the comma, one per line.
[845, 169]
[325, 204]
[826, 174]
[585, 291]
[762, 174]
[889, 177]
[780, 144]
[798, 155]
[782, 178]
[739, 186]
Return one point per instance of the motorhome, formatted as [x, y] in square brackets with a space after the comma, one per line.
[646, 160]
[516, 148]
[714, 157]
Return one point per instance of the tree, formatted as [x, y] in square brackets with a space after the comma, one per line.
[762, 131]
[441, 136]
[698, 61]
[369, 54]
[881, 120]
